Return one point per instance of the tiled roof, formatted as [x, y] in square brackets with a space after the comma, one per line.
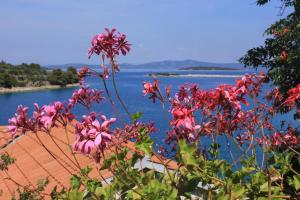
[33, 162]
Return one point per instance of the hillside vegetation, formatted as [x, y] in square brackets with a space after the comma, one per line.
[207, 68]
[33, 75]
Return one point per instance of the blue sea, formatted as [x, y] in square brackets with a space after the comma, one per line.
[130, 86]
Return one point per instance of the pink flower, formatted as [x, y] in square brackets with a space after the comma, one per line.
[42, 119]
[13, 125]
[109, 44]
[91, 134]
[85, 96]
[184, 123]
[83, 72]
[293, 96]
[19, 121]
[168, 91]
[48, 114]
[151, 89]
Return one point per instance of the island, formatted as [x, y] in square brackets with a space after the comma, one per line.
[163, 74]
[207, 68]
[28, 77]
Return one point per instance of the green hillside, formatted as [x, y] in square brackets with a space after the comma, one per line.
[33, 75]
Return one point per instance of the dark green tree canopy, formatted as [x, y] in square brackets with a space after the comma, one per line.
[280, 53]
[34, 75]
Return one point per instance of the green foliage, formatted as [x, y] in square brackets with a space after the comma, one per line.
[57, 77]
[71, 75]
[34, 75]
[281, 52]
[206, 177]
[144, 143]
[136, 116]
[187, 153]
[5, 161]
[61, 78]
[295, 182]
[28, 193]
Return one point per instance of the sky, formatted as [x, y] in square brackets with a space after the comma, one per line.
[52, 32]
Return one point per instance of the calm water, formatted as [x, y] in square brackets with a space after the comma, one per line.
[130, 86]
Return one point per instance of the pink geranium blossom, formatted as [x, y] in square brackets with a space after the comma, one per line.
[19, 121]
[109, 45]
[92, 134]
[42, 119]
[293, 96]
[151, 89]
[85, 96]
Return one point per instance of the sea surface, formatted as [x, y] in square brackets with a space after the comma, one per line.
[130, 86]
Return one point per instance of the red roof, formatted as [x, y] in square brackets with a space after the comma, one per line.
[33, 162]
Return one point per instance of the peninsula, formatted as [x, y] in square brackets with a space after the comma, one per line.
[29, 77]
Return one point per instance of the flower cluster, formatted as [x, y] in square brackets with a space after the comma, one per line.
[280, 33]
[91, 134]
[274, 96]
[43, 118]
[293, 96]
[184, 123]
[134, 131]
[151, 89]
[108, 45]
[83, 72]
[19, 121]
[85, 96]
[289, 138]
[223, 111]
[221, 108]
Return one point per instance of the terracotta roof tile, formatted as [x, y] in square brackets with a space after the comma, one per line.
[33, 162]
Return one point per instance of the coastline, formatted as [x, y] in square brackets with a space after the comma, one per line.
[30, 89]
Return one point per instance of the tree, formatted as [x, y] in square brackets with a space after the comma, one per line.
[57, 77]
[71, 75]
[280, 53]
[7, 80]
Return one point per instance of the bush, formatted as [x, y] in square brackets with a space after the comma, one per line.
[7, 80]
[57, 77]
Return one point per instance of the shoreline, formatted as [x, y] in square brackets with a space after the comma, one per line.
[30, 89]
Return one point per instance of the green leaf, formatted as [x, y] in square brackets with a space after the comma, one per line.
[86, 170]
[295, 182]
[264, 187]
[145, 144]
[187, 153]
[108, 162]
[136, 116]
[5, 161]
[213, 150]
[238, 191]
[75, 182]
[189, 183]
[76, 195]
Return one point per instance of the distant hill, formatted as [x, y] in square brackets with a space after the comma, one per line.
[172, 64]
[207, 68]
[166, 64]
